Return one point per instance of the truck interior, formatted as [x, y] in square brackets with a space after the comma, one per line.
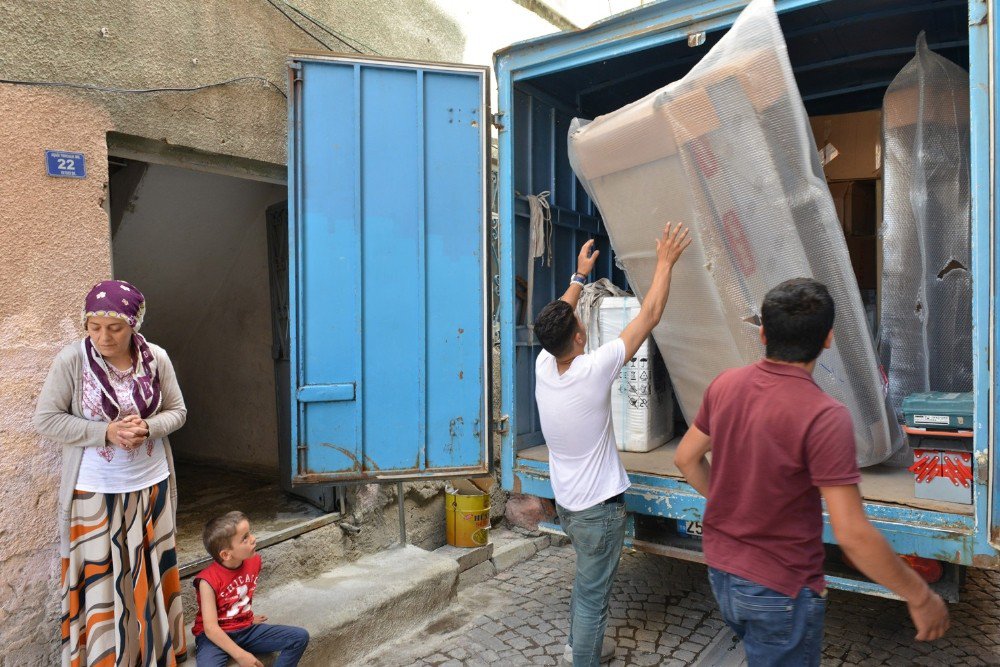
[844, 54]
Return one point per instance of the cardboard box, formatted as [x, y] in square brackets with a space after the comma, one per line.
[857, 138]
[862, 251]
[855, 202]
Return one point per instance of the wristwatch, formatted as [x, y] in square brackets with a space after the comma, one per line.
[578, 278]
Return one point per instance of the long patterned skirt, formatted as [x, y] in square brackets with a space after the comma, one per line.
[121, 591]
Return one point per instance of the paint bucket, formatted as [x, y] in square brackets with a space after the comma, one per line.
[467, 515]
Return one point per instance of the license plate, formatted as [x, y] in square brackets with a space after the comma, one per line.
[689, 528]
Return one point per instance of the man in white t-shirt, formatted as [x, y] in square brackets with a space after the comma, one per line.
[573, 392]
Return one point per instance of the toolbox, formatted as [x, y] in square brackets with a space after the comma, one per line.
[939, 411]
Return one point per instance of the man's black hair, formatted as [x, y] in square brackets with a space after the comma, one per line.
[555, 327]
[797, 315]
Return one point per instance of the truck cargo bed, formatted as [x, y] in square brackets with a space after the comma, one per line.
[879, 484]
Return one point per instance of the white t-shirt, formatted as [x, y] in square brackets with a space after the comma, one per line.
[114, 470]
[575, 411]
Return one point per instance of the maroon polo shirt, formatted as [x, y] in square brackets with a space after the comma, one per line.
[776, 437]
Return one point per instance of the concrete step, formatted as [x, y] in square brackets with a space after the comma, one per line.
[354, 608]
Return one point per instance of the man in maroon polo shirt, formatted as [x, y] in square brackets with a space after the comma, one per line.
[778, 444]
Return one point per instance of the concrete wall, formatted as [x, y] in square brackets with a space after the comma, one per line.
[196, 245]
[54, 240]
[129, 44]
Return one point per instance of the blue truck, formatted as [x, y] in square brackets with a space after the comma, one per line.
[411, 358]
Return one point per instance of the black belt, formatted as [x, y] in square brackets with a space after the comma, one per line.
[620, 498]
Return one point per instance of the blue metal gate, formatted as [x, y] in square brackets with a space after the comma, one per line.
[388, 299]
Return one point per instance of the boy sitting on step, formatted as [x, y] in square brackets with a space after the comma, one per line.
[225, 626]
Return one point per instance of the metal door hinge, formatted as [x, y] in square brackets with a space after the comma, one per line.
[500, 426]
[498, 121]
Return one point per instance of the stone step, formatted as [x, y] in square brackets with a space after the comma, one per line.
[352, 609]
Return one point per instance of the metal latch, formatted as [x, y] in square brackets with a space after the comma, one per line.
[501, 426]
[498, 121]
[696, 39]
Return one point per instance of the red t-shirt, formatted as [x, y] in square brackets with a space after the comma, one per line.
[233, 594]
[776, 437]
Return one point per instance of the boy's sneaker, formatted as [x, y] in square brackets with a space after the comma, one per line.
[607, 651]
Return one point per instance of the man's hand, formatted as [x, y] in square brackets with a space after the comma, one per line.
[930, 617]
[671, 244]
[585, 261]
[259, 618]
[868, 549]
[248, 660]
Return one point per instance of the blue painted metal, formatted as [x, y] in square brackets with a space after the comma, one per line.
[325, 393]
[951, 537]
[388, 163]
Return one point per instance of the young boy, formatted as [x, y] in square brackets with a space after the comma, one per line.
[226, 625]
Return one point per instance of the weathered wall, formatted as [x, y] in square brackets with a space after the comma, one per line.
[194, 42]
[54, 241]
[129, 44]
[196, 245]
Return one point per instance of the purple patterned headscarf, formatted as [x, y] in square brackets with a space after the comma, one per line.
[117, 298]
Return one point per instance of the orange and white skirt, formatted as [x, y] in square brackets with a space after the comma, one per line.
[121, 590]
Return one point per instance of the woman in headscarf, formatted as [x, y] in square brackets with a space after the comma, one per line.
[110, 400]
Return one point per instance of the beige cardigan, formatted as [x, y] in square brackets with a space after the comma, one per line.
[59, 418]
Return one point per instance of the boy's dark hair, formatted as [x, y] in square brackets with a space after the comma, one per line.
[555, 327]
[797, 315]
[218, 533]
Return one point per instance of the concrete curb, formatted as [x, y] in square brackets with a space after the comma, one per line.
[353, 609]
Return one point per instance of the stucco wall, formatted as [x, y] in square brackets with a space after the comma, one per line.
[196, 245]
[129, 44]
[55, 245]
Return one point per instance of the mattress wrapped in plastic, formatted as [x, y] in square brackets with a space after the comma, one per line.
[926, 308]
[728, 151]
[642, 405]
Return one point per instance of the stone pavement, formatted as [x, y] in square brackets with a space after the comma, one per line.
[662, 612]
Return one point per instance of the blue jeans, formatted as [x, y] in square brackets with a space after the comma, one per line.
[598, 534]
[259, 638]
[775, 629]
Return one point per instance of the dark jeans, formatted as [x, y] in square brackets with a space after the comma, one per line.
[776, 629]
[259, 638]
[598, 534]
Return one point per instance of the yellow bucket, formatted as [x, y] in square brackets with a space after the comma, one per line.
[467, 516]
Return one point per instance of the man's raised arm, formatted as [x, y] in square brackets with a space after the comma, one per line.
[669, 247]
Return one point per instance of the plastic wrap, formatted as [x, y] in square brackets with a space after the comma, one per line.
[926, 308]
[728, 151]
[642, 404]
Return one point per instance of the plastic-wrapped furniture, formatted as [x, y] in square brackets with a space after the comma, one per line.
[642, 405]
[926, 308]
[728, 151]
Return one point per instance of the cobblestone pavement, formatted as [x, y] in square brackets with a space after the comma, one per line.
[662, 612]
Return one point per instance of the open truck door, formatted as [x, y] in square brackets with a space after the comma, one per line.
[388, 263]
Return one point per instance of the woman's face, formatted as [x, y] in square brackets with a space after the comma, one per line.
[110, 335]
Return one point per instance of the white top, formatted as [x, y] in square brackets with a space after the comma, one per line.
[126, 471]
[575, 411]
[111, 469]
